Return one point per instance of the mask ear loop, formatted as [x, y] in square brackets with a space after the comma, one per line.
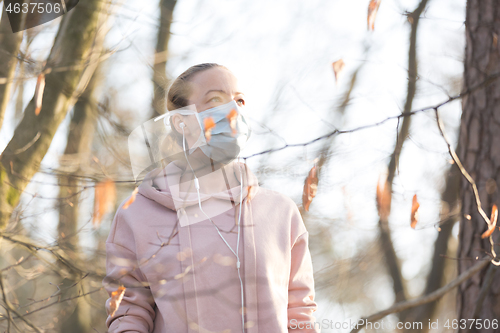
[238, 264]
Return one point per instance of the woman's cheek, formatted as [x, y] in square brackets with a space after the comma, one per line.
[196, 131]
[193, 125]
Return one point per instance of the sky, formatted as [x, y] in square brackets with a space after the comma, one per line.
[282, 52]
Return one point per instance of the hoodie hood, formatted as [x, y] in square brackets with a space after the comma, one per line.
[162, 186]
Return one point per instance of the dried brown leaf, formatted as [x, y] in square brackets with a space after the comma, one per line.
[131, 199]
[116, 298]
[372, 13]
[338, 66]
[105, 195]
[231, 118]
[384, 198]
[310, 188]
[40, 87]
[414, 212]
[493, 222]
[209, 124]
[251, 192]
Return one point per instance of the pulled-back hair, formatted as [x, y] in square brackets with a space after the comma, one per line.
[179, 91]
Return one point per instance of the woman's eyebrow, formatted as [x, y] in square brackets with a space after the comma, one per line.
[222, 91]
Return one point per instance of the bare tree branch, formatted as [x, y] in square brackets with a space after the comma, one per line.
[402, 306]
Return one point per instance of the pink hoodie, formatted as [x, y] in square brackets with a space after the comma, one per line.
[183, 279]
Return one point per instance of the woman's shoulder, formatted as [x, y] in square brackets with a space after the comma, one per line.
[275, 197]
[281, 209]
[138, 206]
[276, 201]
[135, 215]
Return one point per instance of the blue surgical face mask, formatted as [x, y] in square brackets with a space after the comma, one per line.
[225, 143]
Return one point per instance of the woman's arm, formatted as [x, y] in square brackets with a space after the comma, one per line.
[301, 304]
[136, 312]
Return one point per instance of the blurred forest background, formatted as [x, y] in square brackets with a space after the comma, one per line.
[357, 109]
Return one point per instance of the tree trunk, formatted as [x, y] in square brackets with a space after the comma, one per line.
[33, 136]
[385, 237]
[78, 145]
[480, 155]
[9, 47]
[160, 79]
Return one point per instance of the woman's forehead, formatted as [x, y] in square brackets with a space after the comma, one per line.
[217, 78]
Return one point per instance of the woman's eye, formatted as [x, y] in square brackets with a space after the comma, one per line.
[241, 101]
[215, 99]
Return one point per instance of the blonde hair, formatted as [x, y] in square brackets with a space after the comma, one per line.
[179, 91]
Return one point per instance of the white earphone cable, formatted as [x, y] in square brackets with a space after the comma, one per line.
[238, 264]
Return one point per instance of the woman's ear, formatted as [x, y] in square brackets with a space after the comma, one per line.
[177, 121]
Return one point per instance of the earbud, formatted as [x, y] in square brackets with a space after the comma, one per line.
[182, 125]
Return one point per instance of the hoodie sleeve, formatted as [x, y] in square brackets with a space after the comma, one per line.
[136, 312]
[301, 304]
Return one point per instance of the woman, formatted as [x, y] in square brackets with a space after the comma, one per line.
[203, 248]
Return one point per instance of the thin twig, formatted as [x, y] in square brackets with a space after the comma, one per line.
[470, 180]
